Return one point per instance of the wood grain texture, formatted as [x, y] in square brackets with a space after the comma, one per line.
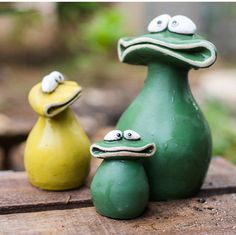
[17, 195]
[221, 174]
[221, 178]
[216, 215]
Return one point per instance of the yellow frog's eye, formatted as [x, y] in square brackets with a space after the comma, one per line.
[51, 81]
[113, 135]
[57, 76]
[131, 135]
[159, 23]
[49, 84]
[182, 25]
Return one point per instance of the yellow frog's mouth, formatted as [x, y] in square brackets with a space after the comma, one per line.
[54, 109]
[51, 104]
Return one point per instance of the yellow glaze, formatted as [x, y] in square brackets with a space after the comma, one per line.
[57, 150]
[53, 103]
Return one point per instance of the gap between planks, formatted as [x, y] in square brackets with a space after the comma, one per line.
[18, 196]
[214, 216]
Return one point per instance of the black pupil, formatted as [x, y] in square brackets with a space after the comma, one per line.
[129, 134]
[118, 135]
[159, 22]
[174, 22]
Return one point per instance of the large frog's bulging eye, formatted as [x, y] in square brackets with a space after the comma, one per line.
[159, 23]
[113, 135]
[131, 135]
[182, 25]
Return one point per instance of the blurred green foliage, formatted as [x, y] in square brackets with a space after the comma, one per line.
[71, 12]
[89, 27]
[6, 8]
[104, 30]
[89, 33]
[222, 122]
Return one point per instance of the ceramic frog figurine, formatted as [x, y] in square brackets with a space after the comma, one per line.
[165, 112]
[57, 150]
[120, 187]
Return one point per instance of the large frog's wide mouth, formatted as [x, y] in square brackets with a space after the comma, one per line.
[198, 53]
[55, 108]
[147, 150]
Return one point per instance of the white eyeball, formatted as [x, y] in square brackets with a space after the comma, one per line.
[131, 135]
[182, 25]
[113, 135]
[159, 23]
[57, 76]
[49, 84]
[51, 81]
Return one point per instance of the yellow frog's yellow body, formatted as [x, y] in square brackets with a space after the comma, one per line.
[57, 150]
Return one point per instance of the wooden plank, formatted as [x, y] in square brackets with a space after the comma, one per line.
[12, 133]
[217, 215]
[221, 174]
[17, 195]
[221, 178]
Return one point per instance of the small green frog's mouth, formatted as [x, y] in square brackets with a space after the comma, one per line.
[123, 151]
[198, 53]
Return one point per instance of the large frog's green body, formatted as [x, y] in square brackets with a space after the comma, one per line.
[166, 113]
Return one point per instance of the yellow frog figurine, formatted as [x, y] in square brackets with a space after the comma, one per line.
[57, 150]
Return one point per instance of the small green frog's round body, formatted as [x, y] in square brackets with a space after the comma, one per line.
[120, 189]
[165, 112]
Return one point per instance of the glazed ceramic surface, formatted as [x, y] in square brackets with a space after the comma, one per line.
[120, 186]
[165, 112]
[57, 150]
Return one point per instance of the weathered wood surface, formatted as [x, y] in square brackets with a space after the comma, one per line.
[212, 211]
[12, 133]
[17, 195]
[221, 178]
[217, 215]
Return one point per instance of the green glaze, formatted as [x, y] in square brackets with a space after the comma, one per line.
[166, 113]
[120, 187]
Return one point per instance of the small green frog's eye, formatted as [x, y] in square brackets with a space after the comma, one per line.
[131, 135]
[159, 23]
[182, 25]
[113, 135]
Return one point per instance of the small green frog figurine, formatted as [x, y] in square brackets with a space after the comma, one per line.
[120, 187]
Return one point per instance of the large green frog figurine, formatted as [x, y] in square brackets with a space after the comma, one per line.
[165, 112]
[120, 187]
